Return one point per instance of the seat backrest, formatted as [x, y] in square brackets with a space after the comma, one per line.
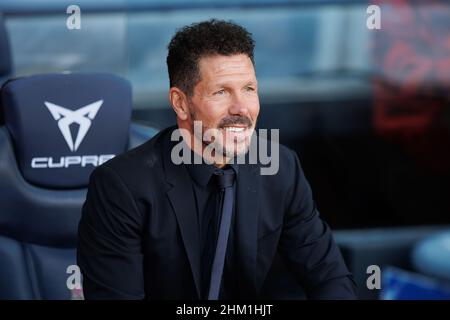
[56, 129]
[5, 52]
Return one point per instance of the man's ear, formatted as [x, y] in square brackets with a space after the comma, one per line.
[178, 100]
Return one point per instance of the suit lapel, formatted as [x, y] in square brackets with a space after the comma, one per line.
[181, 197]
[247, 211]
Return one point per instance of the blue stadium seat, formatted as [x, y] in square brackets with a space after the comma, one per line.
[5, 53]
[56, 129]
[431, 256]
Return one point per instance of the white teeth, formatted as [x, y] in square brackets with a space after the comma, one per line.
[234, 129]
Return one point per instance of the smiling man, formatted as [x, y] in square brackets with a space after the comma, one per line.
[154, 228]
[224, 102]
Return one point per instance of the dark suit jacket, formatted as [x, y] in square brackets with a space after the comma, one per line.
[139, 235]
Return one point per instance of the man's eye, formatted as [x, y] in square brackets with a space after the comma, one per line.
[220, 92]
[249, 89]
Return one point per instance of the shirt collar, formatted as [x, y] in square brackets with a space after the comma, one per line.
[201, 173]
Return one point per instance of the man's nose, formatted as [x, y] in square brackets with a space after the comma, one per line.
[239, 106]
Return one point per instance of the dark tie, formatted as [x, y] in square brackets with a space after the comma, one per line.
[224, 180]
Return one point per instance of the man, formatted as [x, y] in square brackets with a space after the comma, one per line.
[152, 228]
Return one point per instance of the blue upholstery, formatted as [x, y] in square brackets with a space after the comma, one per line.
[5, 53]
[52, 125]
[39, 211]
[431, 256]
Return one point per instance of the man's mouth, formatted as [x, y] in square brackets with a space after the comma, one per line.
[235, 129]
[237, 133]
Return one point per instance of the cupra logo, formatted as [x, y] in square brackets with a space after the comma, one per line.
[65, 117]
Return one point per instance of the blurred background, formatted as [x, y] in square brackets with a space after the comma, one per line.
[367, 111]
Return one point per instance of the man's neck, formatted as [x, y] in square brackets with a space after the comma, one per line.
[198, 147]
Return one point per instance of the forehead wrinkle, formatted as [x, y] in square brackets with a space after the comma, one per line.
[225, 70]
[237, 71]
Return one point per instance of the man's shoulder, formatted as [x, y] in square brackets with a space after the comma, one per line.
[143, 159]
[285, 158]
[285, 169]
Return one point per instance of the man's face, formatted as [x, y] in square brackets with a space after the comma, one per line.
[226, 99]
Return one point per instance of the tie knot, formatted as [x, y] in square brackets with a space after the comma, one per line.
[224, 177]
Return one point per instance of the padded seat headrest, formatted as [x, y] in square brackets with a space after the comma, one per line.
[63, 125]
[5, 53]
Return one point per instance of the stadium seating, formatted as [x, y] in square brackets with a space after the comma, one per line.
[56, 129]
